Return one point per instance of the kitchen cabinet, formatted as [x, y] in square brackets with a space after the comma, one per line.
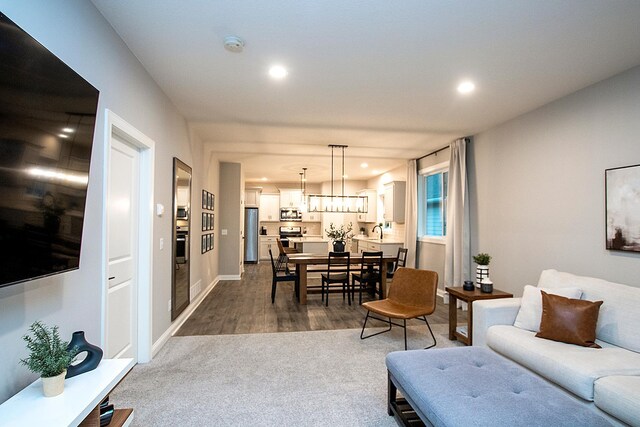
[252, 197]
[311, 217]
[372, 202]
[290, 198]
[269, 207]
[394, 201]
[266, 243]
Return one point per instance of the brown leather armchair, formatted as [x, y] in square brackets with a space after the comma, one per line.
[412, 295]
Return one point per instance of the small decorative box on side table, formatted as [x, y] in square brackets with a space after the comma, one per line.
[457, 293]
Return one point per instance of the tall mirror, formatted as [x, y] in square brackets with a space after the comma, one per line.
[181, 237]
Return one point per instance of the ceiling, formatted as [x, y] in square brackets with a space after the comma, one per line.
[379, 76]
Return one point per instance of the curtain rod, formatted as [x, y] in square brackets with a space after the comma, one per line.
[467, 140]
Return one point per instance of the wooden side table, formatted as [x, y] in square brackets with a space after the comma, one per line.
[458, 293]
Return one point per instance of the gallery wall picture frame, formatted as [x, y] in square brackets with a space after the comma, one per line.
[204, 199]
[203, 244]
[204, 221]
[622, 208]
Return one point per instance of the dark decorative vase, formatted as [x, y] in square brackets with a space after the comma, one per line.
[468, 285]
[94, 355]
[338, 246]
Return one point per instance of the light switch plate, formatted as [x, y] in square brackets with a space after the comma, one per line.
[159, 209]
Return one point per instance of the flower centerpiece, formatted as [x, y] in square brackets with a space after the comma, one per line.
[49, 356]
[482, 271]
[339, 235]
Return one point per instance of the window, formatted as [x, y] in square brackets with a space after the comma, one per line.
[432, 205]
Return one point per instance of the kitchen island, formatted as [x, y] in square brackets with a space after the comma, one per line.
[309, 244]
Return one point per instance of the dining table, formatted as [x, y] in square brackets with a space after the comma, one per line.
[303, 261]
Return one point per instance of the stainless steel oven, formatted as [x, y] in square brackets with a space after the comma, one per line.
[286, 232]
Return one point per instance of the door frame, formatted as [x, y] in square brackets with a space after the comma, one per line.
[146, 147]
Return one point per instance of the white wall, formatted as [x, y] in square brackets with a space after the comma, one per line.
[396, 232]
[231, 213]
[537, 185]
[76, 32]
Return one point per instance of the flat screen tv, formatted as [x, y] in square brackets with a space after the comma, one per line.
[47, 119]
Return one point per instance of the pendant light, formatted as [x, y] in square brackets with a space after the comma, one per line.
[334, 203]
[303, 190]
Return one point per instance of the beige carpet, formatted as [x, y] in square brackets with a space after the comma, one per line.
[318, 378]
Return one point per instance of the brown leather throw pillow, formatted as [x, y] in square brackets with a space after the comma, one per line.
[569, 320]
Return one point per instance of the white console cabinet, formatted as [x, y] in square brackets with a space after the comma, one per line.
[78, 405]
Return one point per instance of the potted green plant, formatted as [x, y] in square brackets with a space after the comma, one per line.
[338, 235]
[482, 270]
[49, 356]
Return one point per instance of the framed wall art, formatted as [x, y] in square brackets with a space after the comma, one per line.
[622, 198]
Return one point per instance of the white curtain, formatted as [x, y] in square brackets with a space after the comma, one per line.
[411, 214]
[456, 268]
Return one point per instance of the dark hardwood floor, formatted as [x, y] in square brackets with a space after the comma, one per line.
[242, 307]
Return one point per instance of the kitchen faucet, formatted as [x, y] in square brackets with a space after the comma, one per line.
[374, 229]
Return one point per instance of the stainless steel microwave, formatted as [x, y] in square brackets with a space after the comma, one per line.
[290, 214]
[182, 213]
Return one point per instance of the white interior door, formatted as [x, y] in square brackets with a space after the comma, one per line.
[122, 231]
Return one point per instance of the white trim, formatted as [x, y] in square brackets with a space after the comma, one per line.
[230, 277]
[433, 239]
[431, 170]
[444, 295]
[146, 146]
[157, 346]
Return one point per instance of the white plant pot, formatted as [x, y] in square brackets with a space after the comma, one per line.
[482, 271]
[53, 386]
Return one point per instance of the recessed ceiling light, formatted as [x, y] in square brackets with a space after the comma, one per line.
[278, 72]
[364, 165]
[264, 178]
[68, 130]
[466, 87]
[62, 135]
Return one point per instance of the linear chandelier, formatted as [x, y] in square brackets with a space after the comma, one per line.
[334, 203]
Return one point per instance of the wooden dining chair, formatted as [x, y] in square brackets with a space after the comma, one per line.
[338, 269]
[281, 273]
[401, 261]
[412, 295]
[369, 275]
[283, 250]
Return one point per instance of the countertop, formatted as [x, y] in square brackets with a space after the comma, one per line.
[308, 239]
[377, 240]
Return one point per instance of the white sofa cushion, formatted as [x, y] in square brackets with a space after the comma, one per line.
[619, 396]
[619, 316]
[530, 311]
[573, 367]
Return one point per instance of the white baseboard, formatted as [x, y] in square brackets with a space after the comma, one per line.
[194, 292]
[444, 295]
[230, 277]
[183, 317]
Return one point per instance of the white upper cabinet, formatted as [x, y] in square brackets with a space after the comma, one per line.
[290, 198]
[269, 207]
[252, 197]
[372, 204]
[394, 201]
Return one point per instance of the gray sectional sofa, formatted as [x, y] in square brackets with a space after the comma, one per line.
[607, 379]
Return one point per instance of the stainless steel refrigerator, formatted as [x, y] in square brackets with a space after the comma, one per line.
[250, 235]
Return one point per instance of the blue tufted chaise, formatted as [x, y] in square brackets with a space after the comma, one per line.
[473, 386]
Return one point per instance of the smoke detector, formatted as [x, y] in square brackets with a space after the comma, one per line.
[233, 44]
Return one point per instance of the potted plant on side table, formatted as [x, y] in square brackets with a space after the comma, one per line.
[482, 271]
[338, 235]
[49, 357]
